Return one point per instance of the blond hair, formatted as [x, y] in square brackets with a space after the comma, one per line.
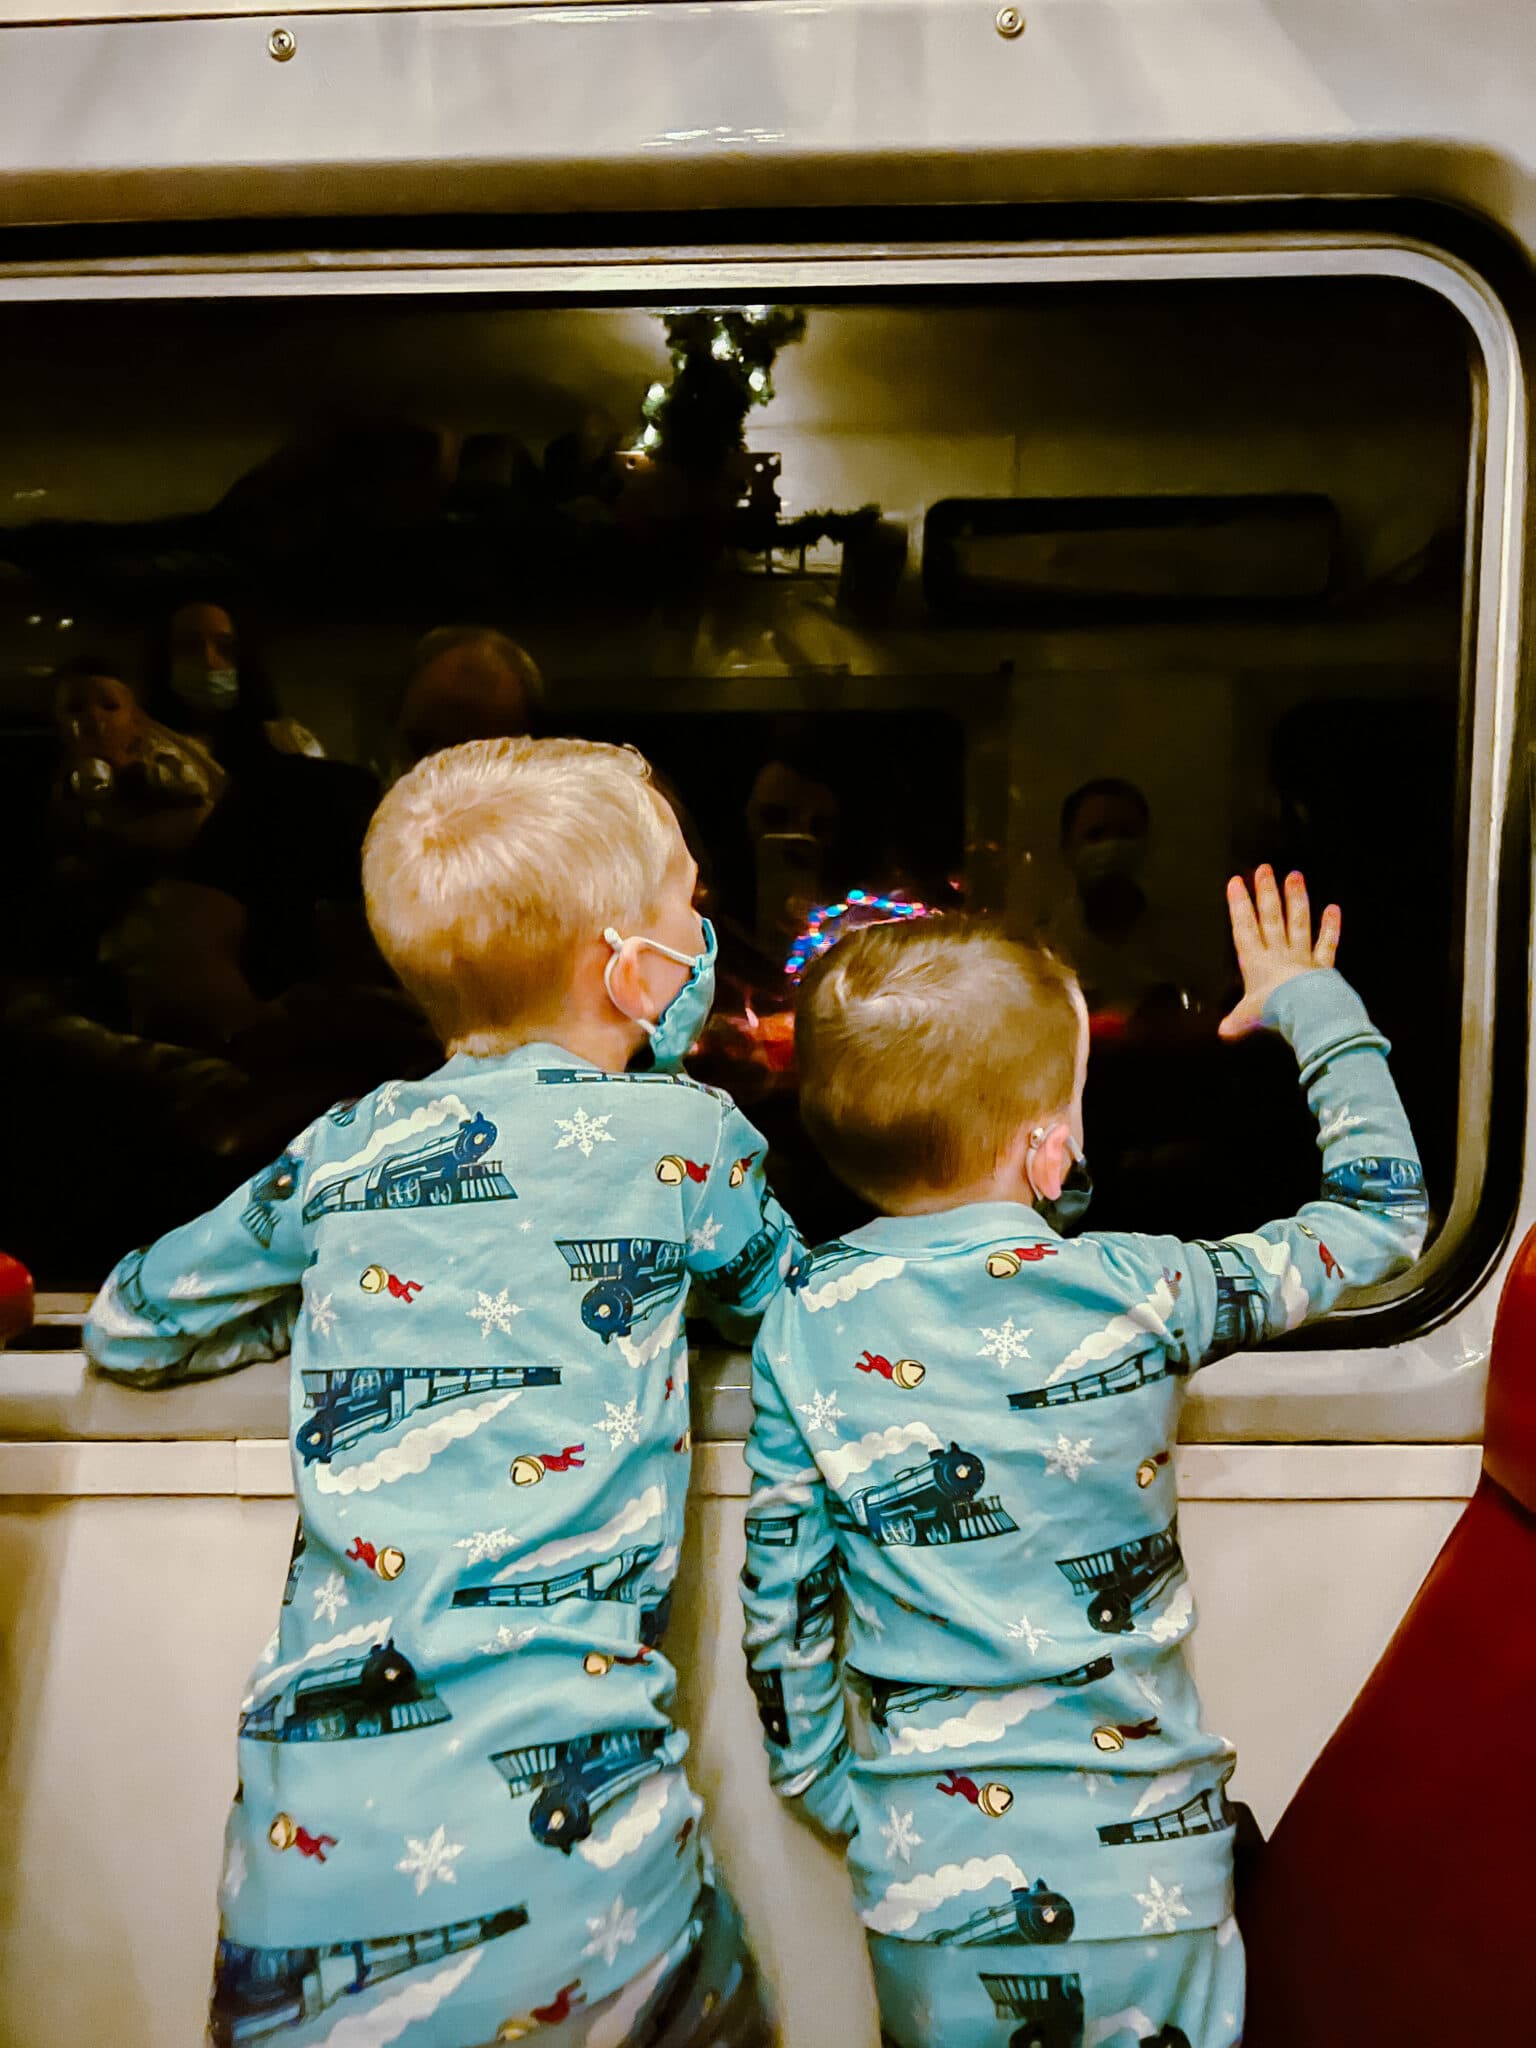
[488, 865]
[924, 1047]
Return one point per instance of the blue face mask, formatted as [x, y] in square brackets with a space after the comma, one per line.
[1068, 1209]
[205, 689]
[674, 1032]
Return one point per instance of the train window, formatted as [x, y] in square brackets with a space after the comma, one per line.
[1060, 601]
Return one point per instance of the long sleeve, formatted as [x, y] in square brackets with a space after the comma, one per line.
[789, 1592]
[217, 1294]
[1369, 1219]
[739, 1239]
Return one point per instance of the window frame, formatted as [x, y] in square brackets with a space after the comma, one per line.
[1444, 1281]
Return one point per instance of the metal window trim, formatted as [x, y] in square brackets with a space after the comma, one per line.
[1494, 566]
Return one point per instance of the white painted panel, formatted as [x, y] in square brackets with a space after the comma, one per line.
[127, 1628]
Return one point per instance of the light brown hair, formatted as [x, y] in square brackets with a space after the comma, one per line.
[925, 1046]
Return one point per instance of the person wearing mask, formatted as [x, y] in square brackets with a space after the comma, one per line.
[207, 689]
[1131, 957]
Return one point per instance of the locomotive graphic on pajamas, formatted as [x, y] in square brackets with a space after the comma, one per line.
[1003, 1527]
[491, 1489]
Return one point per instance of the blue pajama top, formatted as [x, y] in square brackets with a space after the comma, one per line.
[458, 1732]
[965, 1423]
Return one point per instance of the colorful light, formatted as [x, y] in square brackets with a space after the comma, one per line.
[828, 922]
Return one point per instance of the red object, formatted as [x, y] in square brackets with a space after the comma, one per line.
[403, 1290]
[960, 1786]
[17, 1303]
[363, 1553]
[312, 1845]
[1136, 1731]
[1420, 1813]
[871, 1363]
[668, 1394]
[560, 2006]
[1032, 1254]
[695, 1172]
[1331, 1265]
[563, 1461]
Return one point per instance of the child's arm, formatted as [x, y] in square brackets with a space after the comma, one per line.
[215, 1295]
[739, 1239]
[789, 1590]
[1369, 1219]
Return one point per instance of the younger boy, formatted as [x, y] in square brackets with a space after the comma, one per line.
[969, 1421]
[462, 1815]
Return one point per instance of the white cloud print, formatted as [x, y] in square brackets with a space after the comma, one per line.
[638, 1351]
[1280, 1266]
[414, 1452]
[845, 1460]
[391, 2016]
[988, 1721]
[1147, 1318]
[638, 1821]
[634, 1516]
[367, 1635]
[910, 1898]
[441, 1109]
[855, 1278]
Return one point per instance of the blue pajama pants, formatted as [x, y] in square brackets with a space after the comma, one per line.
[1168, 1991]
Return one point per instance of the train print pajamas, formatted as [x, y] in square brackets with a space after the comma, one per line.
[967, 1422]
[462, 1814]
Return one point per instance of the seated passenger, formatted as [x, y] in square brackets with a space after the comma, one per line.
[1132, 958]
[124, 776]
[976, 1443]
[467, 683]
[206, 688]
[491, 1447]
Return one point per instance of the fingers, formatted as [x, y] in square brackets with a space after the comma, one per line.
[1238, 1022]
[1298, 914]
[1245, 925]
[1271, 912]
[1324, 952]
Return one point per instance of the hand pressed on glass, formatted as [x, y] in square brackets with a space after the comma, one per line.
[1274, 942]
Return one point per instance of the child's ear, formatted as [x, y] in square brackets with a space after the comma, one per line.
[1045, 1156]
[624, 976]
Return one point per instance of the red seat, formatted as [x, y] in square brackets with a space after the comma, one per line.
[16, 1306]
[1396, 1902]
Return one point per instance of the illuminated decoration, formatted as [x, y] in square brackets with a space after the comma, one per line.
[722, 365]
[830, 921]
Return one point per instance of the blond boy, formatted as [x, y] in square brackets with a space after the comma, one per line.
[462, 1810]
[966, 1420]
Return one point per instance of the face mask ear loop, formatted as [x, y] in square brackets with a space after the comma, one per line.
[612, 940]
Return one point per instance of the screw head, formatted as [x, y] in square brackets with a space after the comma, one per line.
[282, 44]
[1010, 23]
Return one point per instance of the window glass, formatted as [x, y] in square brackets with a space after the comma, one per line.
[1059, 604]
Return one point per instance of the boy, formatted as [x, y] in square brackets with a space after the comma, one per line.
[462, 1812]
[969, 1421]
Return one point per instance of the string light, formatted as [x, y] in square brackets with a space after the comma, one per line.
[828, 922]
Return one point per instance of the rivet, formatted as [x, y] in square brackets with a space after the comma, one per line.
[283, 43]
[1010, 23]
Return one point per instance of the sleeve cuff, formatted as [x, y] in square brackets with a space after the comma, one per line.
[1318, 1014]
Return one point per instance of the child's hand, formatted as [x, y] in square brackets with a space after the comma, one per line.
[1274, 942]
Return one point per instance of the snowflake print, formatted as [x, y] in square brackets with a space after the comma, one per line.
[507, 1638]
[611, 1931]
[485, 1543]
[188, 1287]
[493, 1312]
[1339, 1125]
[322, 1317]
[901, 1837]
[1024, 1631]
[525, 1228]
[330, 1598]
[622, 1425]
[584, 1132]
[389, 1095]
[1005, 1344]
[821, 1412]
[431, 1861]
[1162, 1910]
[1068, 1458]
[269, 1654]
[234, 1871]
[703, 1239]
[1148, 1689]
[867, 1615]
